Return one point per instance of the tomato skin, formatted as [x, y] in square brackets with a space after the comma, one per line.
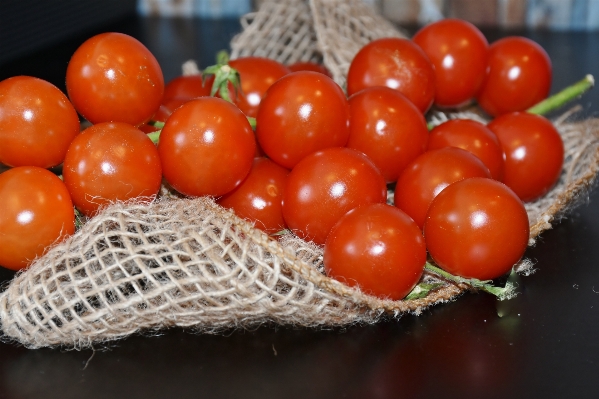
[476, 228]
[187, 87]
[36, 212]
[518, 76]
[301, 113]
[111, 162]
[534, 153]
[259, 197]
[458, 51]
[37, 123]
[472, 136]
[326, 185]
[309, 66]
[388, 128]
[112, 77]
[257, 74]
[206, 147]
[429, 174]
[378, 248]
[396, 63]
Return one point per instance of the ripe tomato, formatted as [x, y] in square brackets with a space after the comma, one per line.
[111, 162]
[36, 213]
[259, 197]
[206, 147]
[326, 185]
[257, 74]
[309, 66]
[518, 76]
[476, 228]
[396, 63]
[378, 248]
[429, 174]
[112, 77]
[472, 136]
[37, 123]
[458, 51]
[388, 128]
[187, 87]
[534, 153]
[301, 113]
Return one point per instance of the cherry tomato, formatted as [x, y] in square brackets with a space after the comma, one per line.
[378, 248]
[259, 197]
[309, 66]
[472, 136]
[187, 87]
[534, 153]
[112, 77]
[429, 174]
[206, 147]
[518, 76]
[36, 213]
[111, 162]
[388, 128]
[458, 51]
[396, 63]
[257, 74]
[37, 123]
[476, 228]
[301, 113]
[326, 185]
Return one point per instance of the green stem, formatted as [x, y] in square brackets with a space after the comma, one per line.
[223, 76]
[566, 95]
[155, 136]
[484, 285]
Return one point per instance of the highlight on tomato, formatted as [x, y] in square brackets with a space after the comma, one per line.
[377, 248]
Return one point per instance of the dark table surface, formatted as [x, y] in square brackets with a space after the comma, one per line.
[542, 344]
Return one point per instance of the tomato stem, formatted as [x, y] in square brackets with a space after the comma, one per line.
[155, 136]
[223, 76]
[501, 293]
[566, 95]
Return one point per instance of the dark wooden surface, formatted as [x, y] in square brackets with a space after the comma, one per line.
[542, 344]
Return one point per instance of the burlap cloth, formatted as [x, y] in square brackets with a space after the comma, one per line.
[188, 262]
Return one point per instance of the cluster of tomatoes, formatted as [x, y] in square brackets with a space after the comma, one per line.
[319, 161]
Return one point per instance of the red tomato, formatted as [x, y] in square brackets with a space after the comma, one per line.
[377, 248]
[326, 185]
[472, 136]
[112, 77]
[207, 147]
[534, 153]
[518, 76]
[111, 162]
[458, 51]
[37, 123]
[309, 66]
[36, 213]
[476, 228]
[259, 197]
[187, 87]
[388, 128]
[429, 174]
[257, 74]
[396, 63]
[301, 113]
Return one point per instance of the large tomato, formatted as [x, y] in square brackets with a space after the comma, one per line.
[36, 212]
[388, 128]
[301, 113]
[112, 77]
[378, 248]
[458, 50]
[476, 228]
[111, 162]
[37, 123]
[206, 147]
[396, 63]
[326, 185]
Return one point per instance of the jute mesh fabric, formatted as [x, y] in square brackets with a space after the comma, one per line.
[187, 262]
